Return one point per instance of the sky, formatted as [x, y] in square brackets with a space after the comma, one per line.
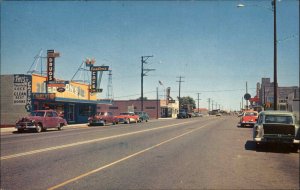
[215, 46]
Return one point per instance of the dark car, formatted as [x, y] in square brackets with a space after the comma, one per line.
[182, 114]
[102, 118]
[143, 116]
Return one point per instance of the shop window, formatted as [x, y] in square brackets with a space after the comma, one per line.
[113, 107]
[85, 110]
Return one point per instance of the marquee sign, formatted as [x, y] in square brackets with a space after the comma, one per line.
[99, 68]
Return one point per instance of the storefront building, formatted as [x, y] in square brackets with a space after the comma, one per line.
[154, 108]
[20, 94]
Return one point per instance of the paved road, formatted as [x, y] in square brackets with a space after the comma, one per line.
[197, 153]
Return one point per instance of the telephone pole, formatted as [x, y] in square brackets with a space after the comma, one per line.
[198, 101]
[208, 104]
[180, 81]
[143, 73]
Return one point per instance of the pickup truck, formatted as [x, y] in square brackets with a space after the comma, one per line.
[102, 118]
[182, 114]
[41, 120]
[276, 127]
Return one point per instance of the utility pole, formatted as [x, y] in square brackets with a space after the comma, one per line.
[208, 104]
[212, 104]
[198, 101]
[157, 103]
[180, 81]
[247, 104]
[143, 60]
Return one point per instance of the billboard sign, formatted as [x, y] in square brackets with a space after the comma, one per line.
[22, 90]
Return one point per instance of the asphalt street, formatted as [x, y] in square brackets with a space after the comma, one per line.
[197, 153]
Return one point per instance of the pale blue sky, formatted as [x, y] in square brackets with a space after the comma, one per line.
[214, 45]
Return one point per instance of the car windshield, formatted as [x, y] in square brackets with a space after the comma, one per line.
[38, 113]
[250, 114]
[278, 119]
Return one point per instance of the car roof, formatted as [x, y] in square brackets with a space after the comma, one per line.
[275, 112]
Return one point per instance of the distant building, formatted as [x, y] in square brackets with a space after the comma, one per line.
[154, 108]
[266, 94]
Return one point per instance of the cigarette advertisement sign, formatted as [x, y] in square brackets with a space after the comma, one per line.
[22, 89]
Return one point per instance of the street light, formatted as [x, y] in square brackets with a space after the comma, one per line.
[240, 5]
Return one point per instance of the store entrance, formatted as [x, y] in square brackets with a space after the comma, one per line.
[71, 113]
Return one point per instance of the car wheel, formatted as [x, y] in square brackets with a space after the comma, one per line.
[295, 148]
[38, 128]
[60, 126]
[20, 130]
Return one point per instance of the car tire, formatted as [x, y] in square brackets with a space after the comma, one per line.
[60, 126]
[295, 148]
[38, 128]
[20, 130]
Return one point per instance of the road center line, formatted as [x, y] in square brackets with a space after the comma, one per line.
[123, 159]
[87, 142]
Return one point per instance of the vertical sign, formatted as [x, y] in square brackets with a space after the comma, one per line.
[22, 89]
[50, 65]
[94, 81]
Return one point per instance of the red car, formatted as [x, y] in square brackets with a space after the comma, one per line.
[248, 118]
[41, 120]
[102, 118]
[128, 117]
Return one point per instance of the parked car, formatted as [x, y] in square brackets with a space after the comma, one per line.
[248, 119]
[127, 117]
[143, 116]
[182, 114]
[102, 118]
[276, 127]
[41, 120]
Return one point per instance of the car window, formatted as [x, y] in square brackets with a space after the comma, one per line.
[40, 113]
[49, 114]
[54, 114]
[279, 119]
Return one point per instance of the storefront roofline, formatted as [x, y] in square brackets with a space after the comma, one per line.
[75, 100]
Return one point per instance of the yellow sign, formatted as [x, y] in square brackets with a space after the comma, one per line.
[73, 90]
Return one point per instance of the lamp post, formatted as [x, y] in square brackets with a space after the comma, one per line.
[275, 49]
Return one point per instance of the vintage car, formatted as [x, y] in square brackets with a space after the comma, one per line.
[102, 118]
[248, 118]
[41, 120]
[276, 127]
[143, 116]
[128, 117]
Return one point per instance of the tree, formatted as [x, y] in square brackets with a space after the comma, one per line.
[188, 100]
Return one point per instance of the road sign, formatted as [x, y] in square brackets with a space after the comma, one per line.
[247, 96]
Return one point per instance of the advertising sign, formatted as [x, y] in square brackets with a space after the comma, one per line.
[22, 87]
[50, 65]
[43, 96]
[99, 68]
[94, 81]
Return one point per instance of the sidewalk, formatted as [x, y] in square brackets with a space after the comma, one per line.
[12, 129]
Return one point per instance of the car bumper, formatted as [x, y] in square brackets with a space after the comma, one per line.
[95, 123]
[276, 140]
[25, 127]
[250, 124]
